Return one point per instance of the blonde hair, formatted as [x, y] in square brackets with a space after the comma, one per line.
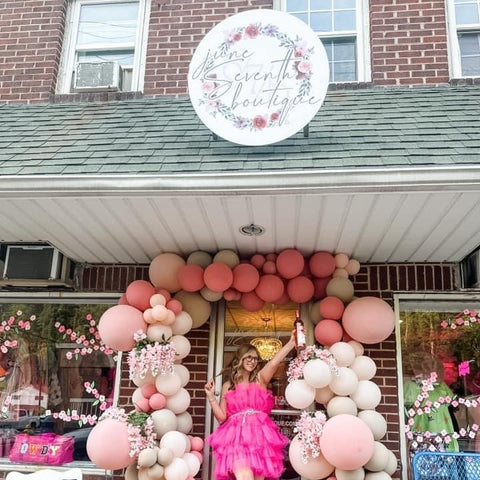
[233, 370]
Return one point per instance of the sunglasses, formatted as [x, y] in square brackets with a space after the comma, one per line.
[251, 358]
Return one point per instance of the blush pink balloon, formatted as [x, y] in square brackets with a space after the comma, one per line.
[284, 299]
[251, 302]
[142, 405]
[196, 443]
[230, 294]
[218, 277]
[257, 261]
[331, 307]
[269, 267]
[198, 455]
[108, 446]
[157, 401]
[165, 293]
[271, 257]
[347, 442]
[175, 306]
[190, 277]
[300, 289]
[139, 293]
[148, 390]
[328, 332]
[369, 320]
[269, 288]
[322, 264]
[245, 277]
[290, 263]
[320, 285]
[353, 267]
[123, 299]
[118, 324]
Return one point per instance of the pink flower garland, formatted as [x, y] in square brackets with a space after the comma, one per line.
[295, 367]
[13, 326]
[465, 318]
[310, 428]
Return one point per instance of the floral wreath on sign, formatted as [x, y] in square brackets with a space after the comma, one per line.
[462, 319]
[302, 69]
[310, 352]
[435, 440]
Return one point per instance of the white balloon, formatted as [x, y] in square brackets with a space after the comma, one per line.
[299, 394]
[345, 382]
[175, 441]
[323, 395]
[177, 470]
[183, 323]
[168, 383]
[367, 395]
[376, 422]
[343, 353]
[184, 422]
[317, 373]
[341, 405]
[158, 332]
[377, 476]
[183, 372]
[392, 463]
[164, 456]
[182, 346]
[357, 474]
[364, 367]
[379, 459]
[357, 346]
[178, 402]
[192, 462]
[164, 421]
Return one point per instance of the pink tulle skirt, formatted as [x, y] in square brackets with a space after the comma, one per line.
[249, 437]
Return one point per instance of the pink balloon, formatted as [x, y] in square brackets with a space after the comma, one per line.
[341, 260]
[157, 401]
[157, 299]
[353, 266]
[139, 293]
[123, 299]
[328, 332]
[284, 299]
[251, 302]
[322, 264]
[257, 261]
[331, 307]
[175, 306]
[230, 294]
[218, 277]
[347, 451]
[148, 316]
[245, 277]
[271, 257]
[142, 405]
[148, 390]
[269, 267]
[317, 467]
[369, 320]
[269, 288]
[190, 277]
[320, 285]
[118, 324]
[165, 293]
[198, 455]
[300, 289]
[196, 443]
[108, 446]
[290, 263]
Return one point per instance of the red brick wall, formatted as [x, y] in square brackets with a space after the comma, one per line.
[408, 42]
[31, 34]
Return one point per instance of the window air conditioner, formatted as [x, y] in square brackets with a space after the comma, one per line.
[36, 266]
[470, 270]
[97, 76]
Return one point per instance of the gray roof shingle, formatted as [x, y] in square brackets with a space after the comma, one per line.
[354, 128]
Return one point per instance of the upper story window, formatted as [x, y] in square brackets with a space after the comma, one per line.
[464, 23]
[340, 24]
[104, 47]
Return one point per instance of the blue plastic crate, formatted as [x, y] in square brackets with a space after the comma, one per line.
[446, 466]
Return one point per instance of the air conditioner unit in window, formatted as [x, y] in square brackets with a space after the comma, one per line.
[470, 270]
[36, 266]
[97, 76]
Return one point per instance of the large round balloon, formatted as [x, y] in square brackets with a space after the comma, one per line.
[369, 320]
[196, 306]
[322, 264]
[299, 394]
[290, 263]
[118, 324]
[163, 271]
[346, 442]
[315, 468]
[218, 277]
[300, 289]
[331, 307]
[327, 332]
[317, 373]
[251, 302]
[138, 294]
[376, 422]
[367, 395]
[190, 277]
[269, 288]
[108, 446]
[245, 277]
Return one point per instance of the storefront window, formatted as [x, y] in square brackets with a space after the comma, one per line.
[440, 351]
[55, 374]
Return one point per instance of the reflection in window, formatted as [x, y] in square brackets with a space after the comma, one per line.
[47, 354]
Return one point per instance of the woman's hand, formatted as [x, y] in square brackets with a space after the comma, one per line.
[210, 389]
[291, 341]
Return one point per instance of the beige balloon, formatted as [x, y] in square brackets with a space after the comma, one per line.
[165, 456]
[184, 423]
[392, 463]
[164, 421]
[345, 383]
[341, 288]
[379, 459]
[340, 272]
[357, 474]
[341, 260]
[131, 473]
[229, 257]
[163, 271]
[357, 346]
[210, 295]
[315, 315]
[323, 395]
[196, 306]
[183, 323]
[375, 421]
[367, 395]
[202, 259]
[364, 367]
[156, 472]
[353, 267]
[158, 332]
[341, 405]
[377, 476]
[147, 457]
[343, 353]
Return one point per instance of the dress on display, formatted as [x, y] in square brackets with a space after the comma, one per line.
[248, 437]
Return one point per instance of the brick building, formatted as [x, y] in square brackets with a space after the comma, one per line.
[387, 172]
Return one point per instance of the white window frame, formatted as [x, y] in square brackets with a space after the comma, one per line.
[454, 54]
[361, 34]
[67, 64]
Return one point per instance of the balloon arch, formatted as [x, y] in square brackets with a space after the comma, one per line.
[153, 317]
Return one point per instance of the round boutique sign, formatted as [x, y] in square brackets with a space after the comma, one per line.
[258, 77]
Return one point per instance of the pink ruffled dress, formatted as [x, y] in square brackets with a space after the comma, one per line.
[248, 437]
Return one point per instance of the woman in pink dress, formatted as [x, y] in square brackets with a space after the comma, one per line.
[248, 444]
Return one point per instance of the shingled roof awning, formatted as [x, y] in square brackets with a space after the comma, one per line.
[388, 174]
